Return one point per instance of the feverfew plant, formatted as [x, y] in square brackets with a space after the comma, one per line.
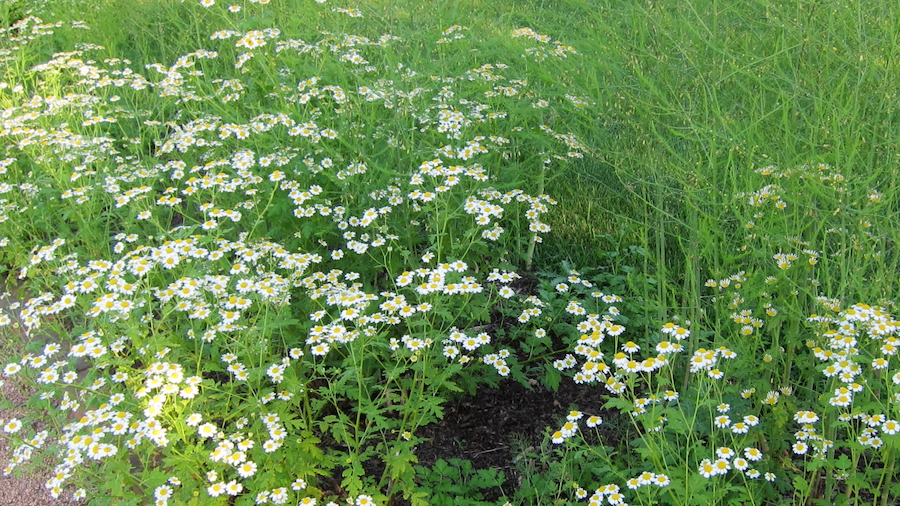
[303, 239]
[797, 405]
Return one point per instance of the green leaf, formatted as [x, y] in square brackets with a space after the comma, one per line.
[487, 478]
[801, 485]
[676, 421]
[619, 403]
[417, 498]
[843, 462]
[551, 377]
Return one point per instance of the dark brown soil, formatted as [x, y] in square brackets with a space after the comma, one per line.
[489, 428]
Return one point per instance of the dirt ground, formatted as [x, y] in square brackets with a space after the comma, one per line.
[26, 490]
[497, 427]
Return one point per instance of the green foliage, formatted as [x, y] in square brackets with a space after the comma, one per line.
[456, 483]
[257, 251]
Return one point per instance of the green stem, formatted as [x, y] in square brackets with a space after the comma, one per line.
[529, 254]
[793, 333]
[263, 213]
[887, 474]
[542, 357]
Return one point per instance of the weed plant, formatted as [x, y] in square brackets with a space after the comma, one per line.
[263, 243]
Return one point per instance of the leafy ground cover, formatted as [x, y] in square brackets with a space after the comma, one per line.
[299, 252]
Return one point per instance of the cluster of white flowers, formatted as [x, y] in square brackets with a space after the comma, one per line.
[179, 306]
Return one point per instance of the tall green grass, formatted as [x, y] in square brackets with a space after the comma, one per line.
[695, 95]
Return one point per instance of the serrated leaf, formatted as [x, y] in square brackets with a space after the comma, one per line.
[551, 377]
[843, 462]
